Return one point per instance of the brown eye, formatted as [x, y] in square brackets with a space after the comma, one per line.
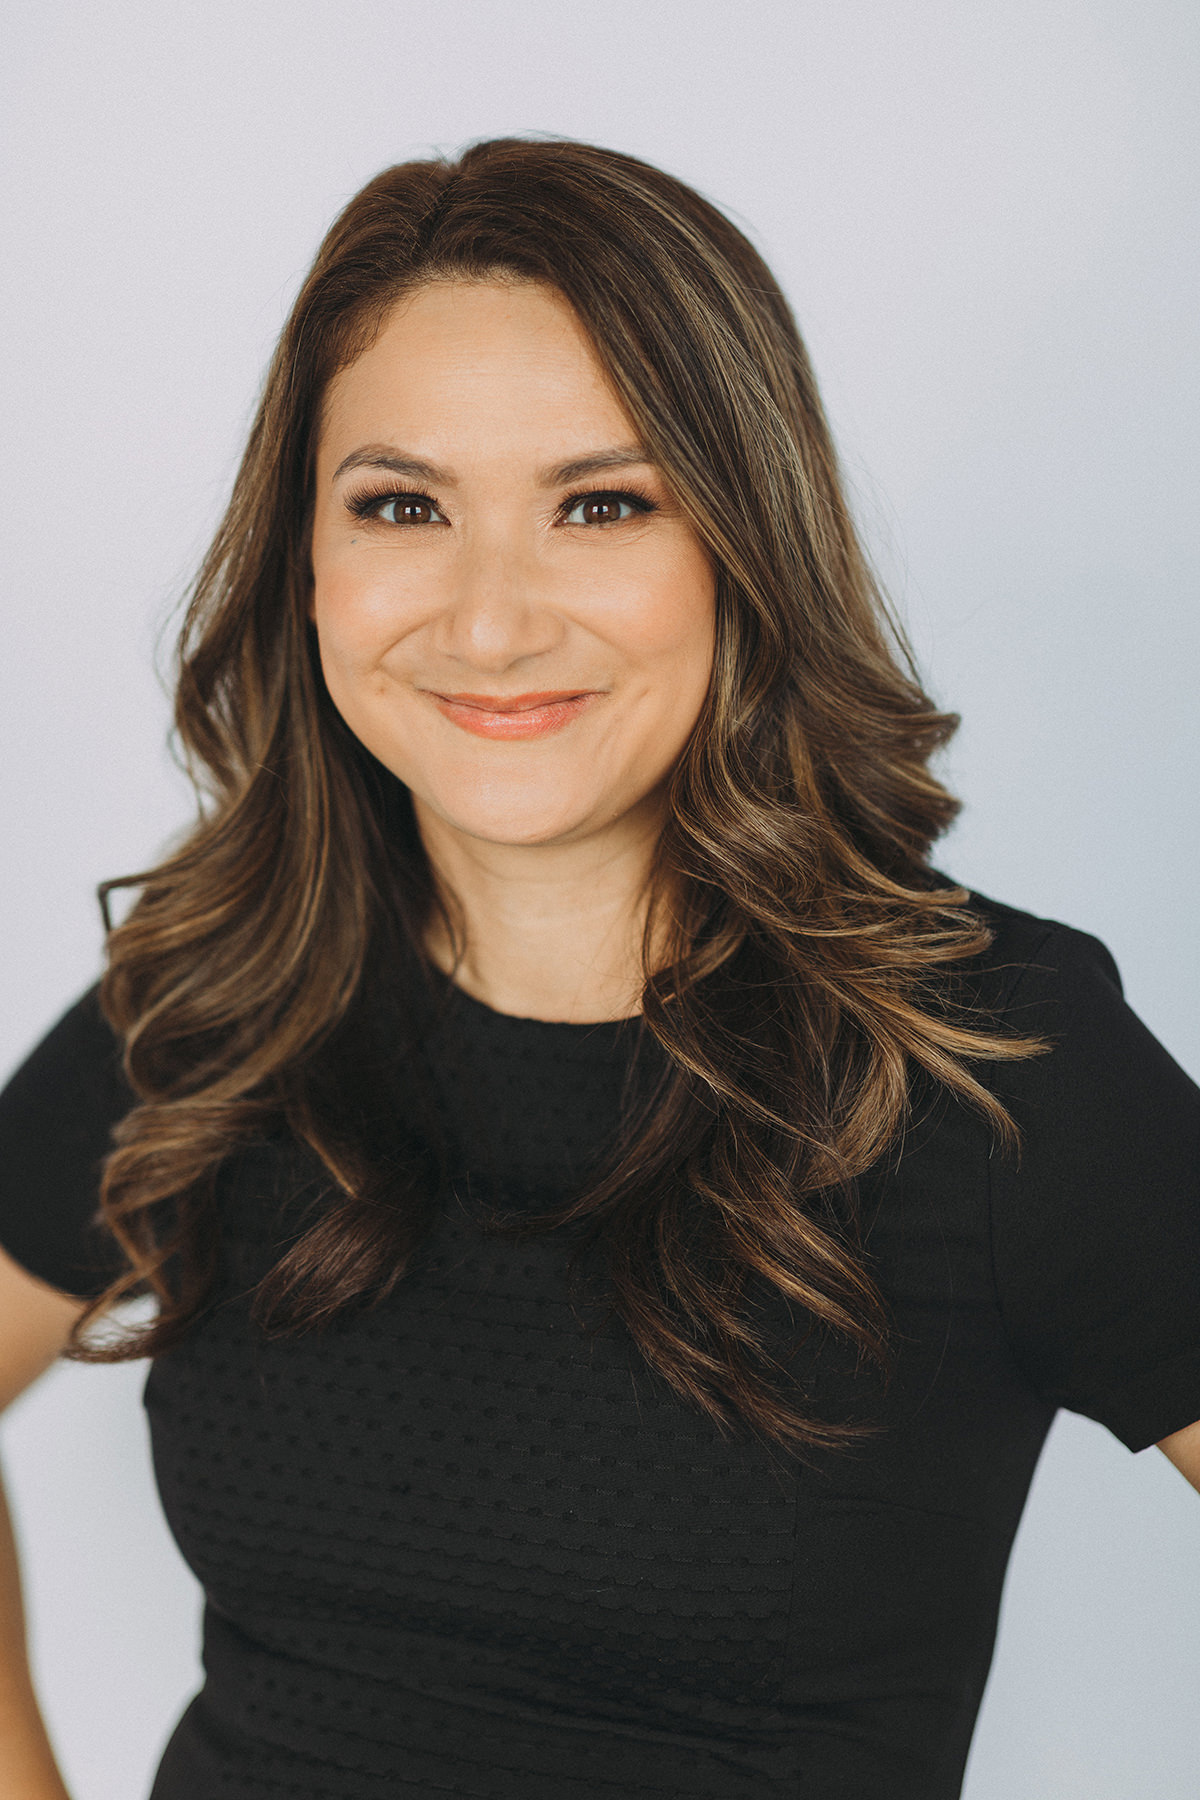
[601, 509]
[410, 509]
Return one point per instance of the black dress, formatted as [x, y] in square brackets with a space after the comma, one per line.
[456, 1546]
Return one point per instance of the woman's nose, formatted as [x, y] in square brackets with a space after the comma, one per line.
[496, 608]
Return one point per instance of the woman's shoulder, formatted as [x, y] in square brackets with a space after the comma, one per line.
[1103, 1108]
[81, 1038]
[1052, 980]
[1038, 975]
[1029, 953]
[57, 1113]
[1095, 1220]
[74, 1075]
[1101, 1065]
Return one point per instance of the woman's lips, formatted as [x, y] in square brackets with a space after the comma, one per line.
[516, 715]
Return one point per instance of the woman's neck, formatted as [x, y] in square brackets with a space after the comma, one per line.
[552, 931]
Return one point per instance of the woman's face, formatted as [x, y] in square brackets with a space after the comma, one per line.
[513, 615]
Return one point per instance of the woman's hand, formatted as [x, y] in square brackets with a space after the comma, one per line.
[35, 1322]
[1183, 1449]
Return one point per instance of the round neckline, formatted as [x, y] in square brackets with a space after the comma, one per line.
[492, 1018]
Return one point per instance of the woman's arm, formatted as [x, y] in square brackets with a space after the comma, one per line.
[35, 1321]
[1183, 1449]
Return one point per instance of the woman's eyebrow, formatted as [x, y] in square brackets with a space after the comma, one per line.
[620, 456]
[415, 468]
[382, 456]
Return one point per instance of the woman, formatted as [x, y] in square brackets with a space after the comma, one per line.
[621, 1221]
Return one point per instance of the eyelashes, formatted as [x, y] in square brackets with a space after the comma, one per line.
[606, 497]
[365, 504]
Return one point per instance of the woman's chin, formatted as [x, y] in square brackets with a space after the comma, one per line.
[527, 823]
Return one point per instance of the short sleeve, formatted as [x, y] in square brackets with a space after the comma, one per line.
[56, 1120]
[1096, 1230]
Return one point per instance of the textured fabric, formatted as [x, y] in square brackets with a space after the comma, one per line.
[457, 1546]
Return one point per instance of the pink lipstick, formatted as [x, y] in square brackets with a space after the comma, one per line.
[514, 715]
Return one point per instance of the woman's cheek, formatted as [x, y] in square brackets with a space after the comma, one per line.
[362, 615]
[665, 614]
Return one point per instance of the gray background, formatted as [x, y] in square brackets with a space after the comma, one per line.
[985, 214]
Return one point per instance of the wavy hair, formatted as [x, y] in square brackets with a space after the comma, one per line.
[798, 949]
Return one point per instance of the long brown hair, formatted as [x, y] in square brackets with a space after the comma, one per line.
[804, 981]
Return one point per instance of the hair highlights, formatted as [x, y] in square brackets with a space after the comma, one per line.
[800, 973]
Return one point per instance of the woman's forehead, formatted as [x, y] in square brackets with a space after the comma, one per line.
[475, 370]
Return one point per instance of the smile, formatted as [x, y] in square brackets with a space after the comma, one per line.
[516, 715]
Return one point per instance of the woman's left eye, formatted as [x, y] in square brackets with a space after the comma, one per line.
[604, 509]
[408, 509]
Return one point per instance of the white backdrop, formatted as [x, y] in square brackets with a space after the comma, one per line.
[986, 216]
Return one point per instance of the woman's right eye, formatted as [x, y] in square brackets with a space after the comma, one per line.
[407, 509]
